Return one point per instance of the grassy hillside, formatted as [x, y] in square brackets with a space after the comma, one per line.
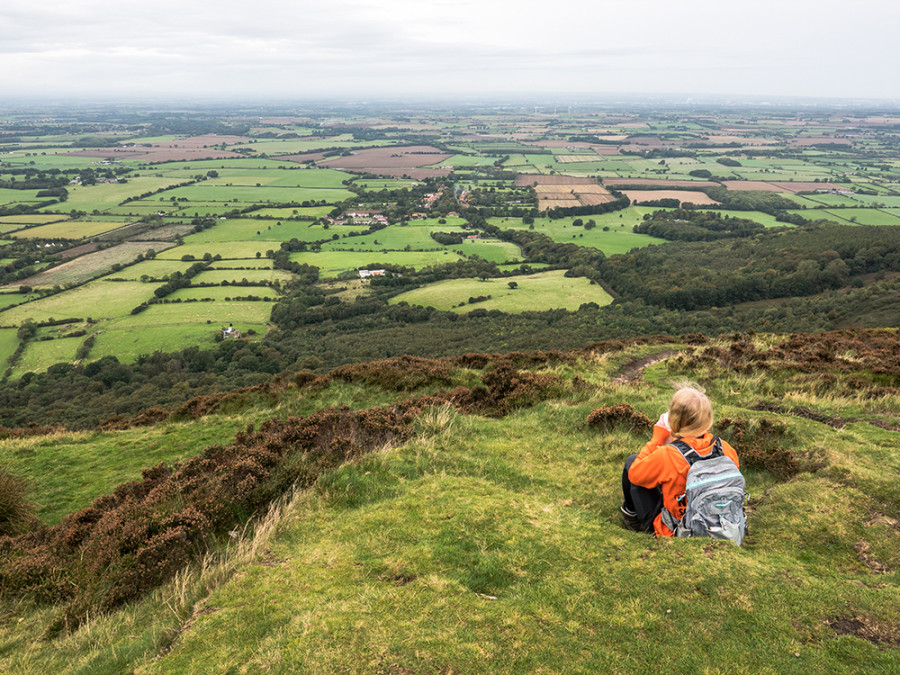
[486, 537]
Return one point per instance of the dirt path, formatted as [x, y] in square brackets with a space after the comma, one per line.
[633, 370]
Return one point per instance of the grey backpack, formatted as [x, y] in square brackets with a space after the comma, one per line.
[713, 496]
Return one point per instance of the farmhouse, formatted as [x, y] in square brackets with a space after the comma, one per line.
[366, 274]
[229, 332]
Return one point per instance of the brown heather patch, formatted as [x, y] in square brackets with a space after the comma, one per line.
[406, 373]
[850, 351]
[139, 536]
[759, 445]
[620, 416]
[145, 531]
[31, 430]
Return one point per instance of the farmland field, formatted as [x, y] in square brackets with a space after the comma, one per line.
[41, 354]
[67, 229]
[9, 342]
[258, 174]
[96, 299]
[105, 195]
[535, 292]
[92, 265]
[28, 219]
[332, 263]
[229, 250]
[245, 229]
[220, 275]
[618, 239]
[681, 195]
[237, 313]
[203, 192]
[219, 293]
[155, 269]
[127, 341]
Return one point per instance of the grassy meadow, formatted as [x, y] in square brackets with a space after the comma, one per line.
[533, 292]
[495, 544]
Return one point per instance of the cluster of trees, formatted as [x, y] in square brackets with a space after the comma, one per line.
[775, 264]
[447, 238]
[690, 225]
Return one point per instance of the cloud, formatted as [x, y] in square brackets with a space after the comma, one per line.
[282, 47]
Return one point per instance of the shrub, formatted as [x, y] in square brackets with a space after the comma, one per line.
[16, 511]
[759, 445]
[619, 416]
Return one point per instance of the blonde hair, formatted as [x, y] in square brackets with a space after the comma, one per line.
[690, 412]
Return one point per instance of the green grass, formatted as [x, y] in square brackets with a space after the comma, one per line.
[27, 219]
[219, 313]
[71, 229]
[311, 211]
[106, 195]
[155, 269]
[495, 545]
[247, 229]
[618, 239]
[68, 470]
[203, 192]
[218, 276]
[332, 263]
[96, 299]
[9, 342]
[127, 340]
[41, 354]
[416, 235]
[230, 250]
[864, 216]
[535, 292]
[219, 293]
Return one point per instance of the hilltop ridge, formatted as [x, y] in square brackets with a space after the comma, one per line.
[461, 515]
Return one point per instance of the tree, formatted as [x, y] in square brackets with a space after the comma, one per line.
[513, 285]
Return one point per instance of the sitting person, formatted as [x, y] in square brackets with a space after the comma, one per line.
[654, 480]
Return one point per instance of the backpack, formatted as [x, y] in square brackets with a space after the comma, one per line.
[713, 497]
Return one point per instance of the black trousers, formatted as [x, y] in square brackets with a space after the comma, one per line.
[645, 502]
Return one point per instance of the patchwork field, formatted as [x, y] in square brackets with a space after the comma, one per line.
[67, 229]
[618, 238]
[393, 161]
[533, 292]
[97, 299]
[691, 196]
[332, 263]
[92, 265]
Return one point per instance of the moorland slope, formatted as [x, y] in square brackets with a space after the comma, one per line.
[461, 515]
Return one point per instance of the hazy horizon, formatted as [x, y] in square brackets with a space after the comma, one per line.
[389, 49]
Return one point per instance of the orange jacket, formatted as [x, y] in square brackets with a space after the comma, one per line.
[664, 466]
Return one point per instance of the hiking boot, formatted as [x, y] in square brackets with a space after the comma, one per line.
[631, 520]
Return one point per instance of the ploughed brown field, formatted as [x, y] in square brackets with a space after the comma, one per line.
[524, 179]
[695, 197]
[376, 159]
[658, 181]
[779, 186]
[544, 204]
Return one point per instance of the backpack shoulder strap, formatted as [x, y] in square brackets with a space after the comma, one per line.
[691, 456]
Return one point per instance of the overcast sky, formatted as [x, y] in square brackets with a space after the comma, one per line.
[357, 48]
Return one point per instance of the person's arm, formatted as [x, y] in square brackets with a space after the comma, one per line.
[661, 430]
[646, 469]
